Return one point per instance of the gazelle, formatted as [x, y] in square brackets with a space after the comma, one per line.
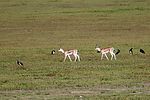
[69, 53]
[104, 51]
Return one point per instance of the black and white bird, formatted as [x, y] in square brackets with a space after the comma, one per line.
[131, 51]
[142, 51]
[118, 51]
[19, 63]
[53, 52]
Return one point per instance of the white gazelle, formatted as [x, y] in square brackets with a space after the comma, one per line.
[68, 53]
[104, 51]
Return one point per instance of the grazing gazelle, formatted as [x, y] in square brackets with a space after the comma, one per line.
[104, 51]
[69, 53]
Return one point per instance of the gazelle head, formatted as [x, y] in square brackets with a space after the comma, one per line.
[97, 48]
[61, 50]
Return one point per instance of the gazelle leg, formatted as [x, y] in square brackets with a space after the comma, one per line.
[69, 58]
[114, 56]
[106, 56]
[101, 56]
[78, 57]
[65, 58]
[75, 58]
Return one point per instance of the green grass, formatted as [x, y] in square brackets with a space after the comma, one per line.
[30, 29]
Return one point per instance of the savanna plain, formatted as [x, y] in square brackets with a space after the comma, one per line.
[30, 29]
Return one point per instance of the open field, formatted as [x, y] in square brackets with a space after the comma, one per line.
[30, 29]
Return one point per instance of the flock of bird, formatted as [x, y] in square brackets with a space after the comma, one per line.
[131, 51]
[20, 63]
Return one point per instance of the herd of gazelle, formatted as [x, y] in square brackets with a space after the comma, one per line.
[74, 52]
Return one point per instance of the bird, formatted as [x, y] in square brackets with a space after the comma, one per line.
[118, 51]
[19, 63]
[131, 51]
[53, 52]
[142, 51]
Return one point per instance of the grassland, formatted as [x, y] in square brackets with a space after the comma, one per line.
[30, 29]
